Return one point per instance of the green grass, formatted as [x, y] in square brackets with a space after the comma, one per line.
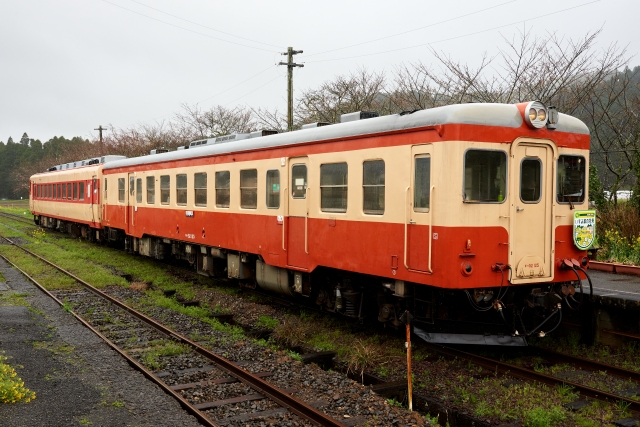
[152, 357]
[13, 298]
[267, 322]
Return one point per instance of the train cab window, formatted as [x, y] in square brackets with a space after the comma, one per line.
[181, 189]
[81, 191]
[138, 190]
[299, 181]
[75, 191]
[223, 196]
[200, 188]
[422, 184]
[121, 190]
[151, 190]
[485, 176]
[570, 179]
[530, 180]
[373, 187]
[249, 188]
[273, 189]
[165, 189]
[333, 187]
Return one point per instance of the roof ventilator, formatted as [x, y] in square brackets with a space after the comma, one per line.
[315, 125]
[358, 115]
[159, 151]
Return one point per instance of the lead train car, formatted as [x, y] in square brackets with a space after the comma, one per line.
[458, 213]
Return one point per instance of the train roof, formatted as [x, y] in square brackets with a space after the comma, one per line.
[500, 115]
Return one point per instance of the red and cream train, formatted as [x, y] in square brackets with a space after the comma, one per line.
[462, 213]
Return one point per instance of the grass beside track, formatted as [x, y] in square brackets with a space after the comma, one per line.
[454, 382]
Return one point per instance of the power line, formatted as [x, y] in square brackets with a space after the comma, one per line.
[415, 29]
[235, 86]
[456, 37]
[204, 26]
[249, 93]
[186, 29]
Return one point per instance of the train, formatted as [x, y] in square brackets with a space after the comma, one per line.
[461, 216]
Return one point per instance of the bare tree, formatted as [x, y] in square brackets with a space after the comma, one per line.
[360, 90]
[216, 121]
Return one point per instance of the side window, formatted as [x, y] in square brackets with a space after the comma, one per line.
[273, 189]
[165, 189]
[249, 189]
[200, 188]
[570, 179]
[373, 187]
[121, 190]
[151, 190]
[75, 191]
[131, 185]
[69, 191]
[530, 180]
[81, 191]
[105, 189]
[333, 187]
[59, 191]
[422, 184]
[299, 181]
[181, 189]
[485, 176]
[139, 190]
[223, 181]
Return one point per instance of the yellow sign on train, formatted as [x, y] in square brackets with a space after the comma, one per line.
[584, 228]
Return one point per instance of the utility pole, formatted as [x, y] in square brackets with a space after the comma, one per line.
[290, 52]
[100, 128]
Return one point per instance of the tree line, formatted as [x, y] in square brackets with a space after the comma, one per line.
[596, 85]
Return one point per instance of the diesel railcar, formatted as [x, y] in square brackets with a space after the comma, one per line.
[463, 215]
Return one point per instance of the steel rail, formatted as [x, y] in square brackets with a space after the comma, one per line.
[17, 217]
[589, 364]
[531, 375]
[284, 399]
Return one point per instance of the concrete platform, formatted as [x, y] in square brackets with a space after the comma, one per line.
[615, 290]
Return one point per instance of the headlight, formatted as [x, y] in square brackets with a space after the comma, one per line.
[537, 115]
[542, 115]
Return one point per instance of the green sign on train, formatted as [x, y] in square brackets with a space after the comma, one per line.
[584, 229]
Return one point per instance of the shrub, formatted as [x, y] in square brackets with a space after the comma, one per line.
[12, 389]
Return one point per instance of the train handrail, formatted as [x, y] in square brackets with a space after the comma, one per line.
[406, 204]
[284, 217]
[306, 221]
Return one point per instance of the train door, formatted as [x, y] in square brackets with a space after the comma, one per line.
[418, 211]
[532, 228]
[131, 205]
[297, 213]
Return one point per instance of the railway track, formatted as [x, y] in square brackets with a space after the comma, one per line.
[625, 398]
[132, 334]
[17, 217]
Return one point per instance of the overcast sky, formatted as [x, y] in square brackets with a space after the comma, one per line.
[67, 66]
